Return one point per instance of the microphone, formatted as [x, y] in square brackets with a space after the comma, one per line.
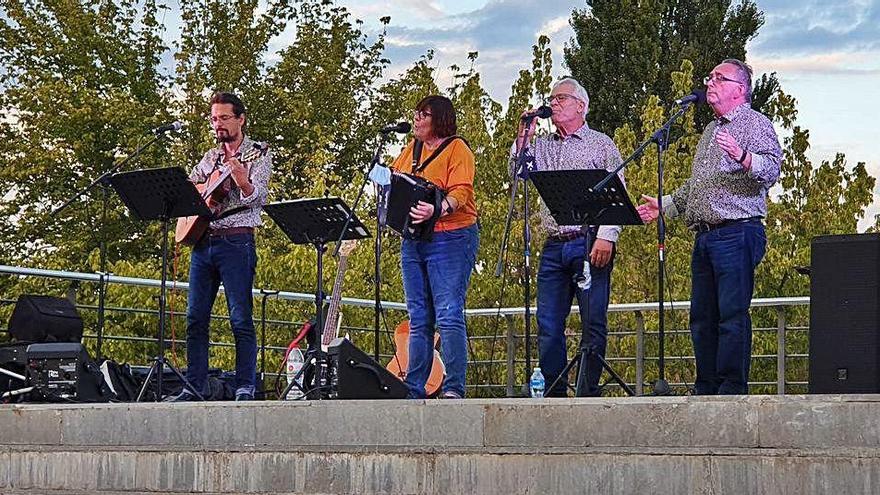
[400, 128]
[697, 96]
[174, 126]
[541, 112]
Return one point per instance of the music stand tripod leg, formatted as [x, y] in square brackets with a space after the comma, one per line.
[581, 358]
[321, 386]
[164, 362]
[585, 355]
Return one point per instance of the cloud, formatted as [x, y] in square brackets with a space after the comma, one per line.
[816, 26]
[828, 63]
[502, 31]
[406, 10]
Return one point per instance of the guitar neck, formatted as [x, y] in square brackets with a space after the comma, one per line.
[330, 326]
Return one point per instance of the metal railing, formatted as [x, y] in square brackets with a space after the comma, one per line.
[642, 360]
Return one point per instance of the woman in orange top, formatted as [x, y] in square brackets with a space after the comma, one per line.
[436, 272]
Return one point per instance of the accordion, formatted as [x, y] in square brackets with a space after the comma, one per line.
[406, 191]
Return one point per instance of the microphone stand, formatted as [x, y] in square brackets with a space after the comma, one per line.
[103, 276]
[377, 242]
[521, 171]
[660, 137]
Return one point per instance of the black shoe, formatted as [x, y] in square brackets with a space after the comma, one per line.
[244, 396]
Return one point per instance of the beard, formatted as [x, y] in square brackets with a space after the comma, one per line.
[225, 137]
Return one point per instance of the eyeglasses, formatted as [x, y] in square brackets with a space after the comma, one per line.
[562, 98]
[221, 118]
[421, 114]
[719, 78]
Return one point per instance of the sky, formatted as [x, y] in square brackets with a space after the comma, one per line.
[825, 54]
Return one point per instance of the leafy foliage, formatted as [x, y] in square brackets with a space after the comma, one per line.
[625, 51]
[81, 83]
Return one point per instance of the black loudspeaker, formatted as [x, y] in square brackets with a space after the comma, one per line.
[354, 375]
[63, 371]
[845, 314]
[45, 319]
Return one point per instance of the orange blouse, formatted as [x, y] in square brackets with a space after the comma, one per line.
[453, 171]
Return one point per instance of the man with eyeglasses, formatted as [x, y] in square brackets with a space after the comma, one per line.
[226, 253]
[724, 202]
[574, 145]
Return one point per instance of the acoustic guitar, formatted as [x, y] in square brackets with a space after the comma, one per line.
[400, 362]
[190, 229]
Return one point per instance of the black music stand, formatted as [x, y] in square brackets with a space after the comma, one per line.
[316, 221]
[160, 194]
[572, 199]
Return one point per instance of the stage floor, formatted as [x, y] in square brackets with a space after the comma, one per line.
[741, 444]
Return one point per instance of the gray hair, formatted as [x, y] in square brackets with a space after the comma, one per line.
[579, 91]
[744, 75]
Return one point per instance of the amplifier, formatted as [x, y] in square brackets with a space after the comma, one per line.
[13, 358]
[63, 371]
[354, 375]
[14, 353]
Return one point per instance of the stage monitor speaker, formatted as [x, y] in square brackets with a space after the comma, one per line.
[45, 319]
[63, 371]
[845, 314]
[354, 375]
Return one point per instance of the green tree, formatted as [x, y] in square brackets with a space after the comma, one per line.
[79, 89]
[625, 51]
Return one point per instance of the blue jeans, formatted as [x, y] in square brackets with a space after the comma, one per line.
[560, 263]
[232, 260]
[436, 275]
[723, 270]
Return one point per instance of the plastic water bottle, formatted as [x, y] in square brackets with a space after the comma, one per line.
[537, 383]
[295, 362]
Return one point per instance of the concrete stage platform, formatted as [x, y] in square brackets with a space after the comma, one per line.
[669, 445]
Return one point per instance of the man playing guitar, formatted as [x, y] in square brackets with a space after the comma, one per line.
[226, 252]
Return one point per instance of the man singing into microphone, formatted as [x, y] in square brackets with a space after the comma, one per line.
[724, 201]
[573, 146]
[226, 253]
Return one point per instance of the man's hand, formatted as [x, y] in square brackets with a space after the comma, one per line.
[522, 131]
[421, 212]
[728, 143]
[649, 210]
[240, 175]
[600, 255]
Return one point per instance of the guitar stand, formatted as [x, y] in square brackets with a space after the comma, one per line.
[315, 221]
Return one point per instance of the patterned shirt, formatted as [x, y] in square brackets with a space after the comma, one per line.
[584, 149]
[719, 188]
[246, 209]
